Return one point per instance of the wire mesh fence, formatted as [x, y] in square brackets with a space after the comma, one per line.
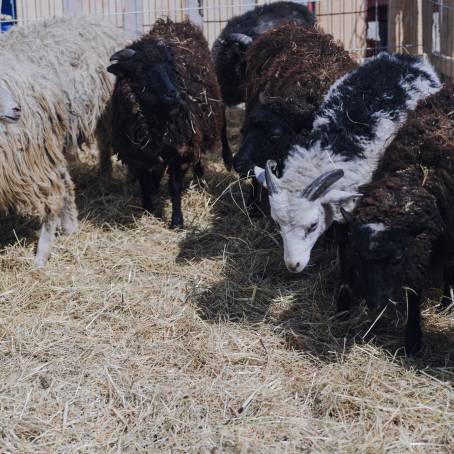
[365, 27]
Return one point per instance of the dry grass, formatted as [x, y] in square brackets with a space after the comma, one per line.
[136, 338]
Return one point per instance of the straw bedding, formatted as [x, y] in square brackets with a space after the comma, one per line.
[135, 338]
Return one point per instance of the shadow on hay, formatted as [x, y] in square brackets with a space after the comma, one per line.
[110, 201]
[15, 229]
[255, 288]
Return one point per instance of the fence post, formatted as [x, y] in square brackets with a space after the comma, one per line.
[405, 25]
[72, 6]
[427, 27]
[133, 17]
[346, 21]
[193, 12]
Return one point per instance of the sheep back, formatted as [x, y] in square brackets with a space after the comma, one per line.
[141, 136]
[295, 64]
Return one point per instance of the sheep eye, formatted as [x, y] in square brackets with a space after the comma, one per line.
[274, 138]
[312, 228]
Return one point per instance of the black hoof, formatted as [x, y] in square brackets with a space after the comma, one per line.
[413, 346]
[198, 170]
[176, 224]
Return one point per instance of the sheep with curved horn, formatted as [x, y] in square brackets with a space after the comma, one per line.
[360, 116]
[239, 33]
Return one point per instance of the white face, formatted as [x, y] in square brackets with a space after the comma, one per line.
[9, 109]
[302, 218]
[301, 223]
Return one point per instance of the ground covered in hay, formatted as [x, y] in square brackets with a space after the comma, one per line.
[136, 338]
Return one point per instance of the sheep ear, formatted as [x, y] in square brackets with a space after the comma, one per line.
[338, 197]
[260, 175]
[122, 55]
[263, 99]
[348, 218]
[239, 38]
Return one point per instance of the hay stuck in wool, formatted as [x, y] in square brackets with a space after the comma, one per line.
[136, 338]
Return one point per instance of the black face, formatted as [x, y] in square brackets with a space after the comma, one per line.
[379, 259]
[152, 74]
[266, 135]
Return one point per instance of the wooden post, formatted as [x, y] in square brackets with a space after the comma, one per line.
[193, 12]
[405, 25]
[346, 21]
[72, 6]
[133, 17]
[427, 27]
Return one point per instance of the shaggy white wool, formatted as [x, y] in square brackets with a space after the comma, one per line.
[76, 51]
[56, 71]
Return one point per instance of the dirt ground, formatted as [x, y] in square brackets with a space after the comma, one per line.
[137, 338]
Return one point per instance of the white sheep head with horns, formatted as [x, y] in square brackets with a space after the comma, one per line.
[304, 215]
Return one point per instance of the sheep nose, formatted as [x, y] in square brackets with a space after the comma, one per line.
[17, 109]
[293, 267]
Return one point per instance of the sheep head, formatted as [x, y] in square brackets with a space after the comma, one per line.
[10, 110]
[150, 69]
[378, 253]
[271, 129]
[303, 216]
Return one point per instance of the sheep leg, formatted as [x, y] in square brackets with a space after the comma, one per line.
[198, 169]
[254, 197]
[413, 333]
[46, 239]
[226, 151]
[344, 290]
[68, 215]
[175, 187]
[148, 185]
[104, 149]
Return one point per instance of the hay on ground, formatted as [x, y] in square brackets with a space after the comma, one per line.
[136, 338]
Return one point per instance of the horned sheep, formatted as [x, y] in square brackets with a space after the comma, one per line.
[362, 113]
[55, 71]
[402, 231]
[240, 31]
[167, 107]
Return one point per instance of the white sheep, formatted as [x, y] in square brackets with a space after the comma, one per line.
[55, 70]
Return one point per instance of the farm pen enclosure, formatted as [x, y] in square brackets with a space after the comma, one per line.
[137, 338]
[363, 26]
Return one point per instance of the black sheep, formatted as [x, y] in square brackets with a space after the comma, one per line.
[402, 230]
[239, 33]
[166, 108]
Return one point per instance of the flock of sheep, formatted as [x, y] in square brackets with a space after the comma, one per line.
[365, 151]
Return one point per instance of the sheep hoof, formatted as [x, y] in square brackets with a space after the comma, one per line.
[412, 346]
[176, 223]
[40, 261]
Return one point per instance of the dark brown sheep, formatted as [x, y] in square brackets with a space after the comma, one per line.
[289, 70]
[402, 231]
[167, 108]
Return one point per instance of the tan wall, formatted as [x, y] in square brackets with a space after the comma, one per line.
[346, 21]
[410, 31]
